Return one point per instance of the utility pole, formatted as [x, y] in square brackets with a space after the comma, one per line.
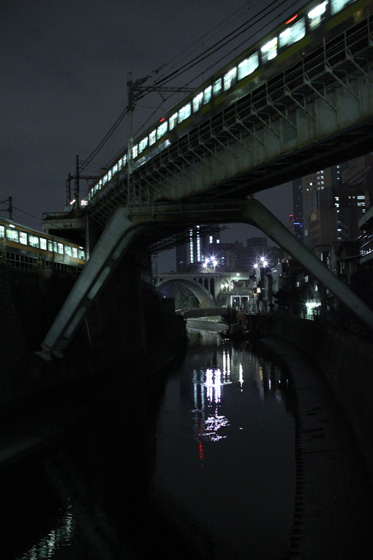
[10, 208]
[76, 178]
[136, 90]
[8, 200]
[77, 186]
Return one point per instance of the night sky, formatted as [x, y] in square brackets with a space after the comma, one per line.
[64, 69]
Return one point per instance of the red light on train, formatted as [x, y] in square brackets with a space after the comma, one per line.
[291, 19]
[161, 120]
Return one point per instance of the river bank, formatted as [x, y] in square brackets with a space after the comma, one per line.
[106, 341]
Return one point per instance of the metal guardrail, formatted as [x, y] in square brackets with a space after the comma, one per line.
[335, 65]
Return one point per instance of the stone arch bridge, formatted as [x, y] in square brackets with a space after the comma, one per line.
[205, 286]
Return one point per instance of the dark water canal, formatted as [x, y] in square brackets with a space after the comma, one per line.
[200, 464]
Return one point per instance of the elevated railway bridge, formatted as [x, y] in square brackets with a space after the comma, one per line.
[298, 101]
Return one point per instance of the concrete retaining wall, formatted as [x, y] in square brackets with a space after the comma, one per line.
[127, 327]
[345, 361]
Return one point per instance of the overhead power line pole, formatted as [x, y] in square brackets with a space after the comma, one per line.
[135, 91]
[8, 201]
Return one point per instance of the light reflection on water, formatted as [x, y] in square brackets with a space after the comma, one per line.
[59, 537]
[240, 416]
[212, 473]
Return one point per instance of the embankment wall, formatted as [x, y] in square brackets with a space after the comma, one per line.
[126, 328]
[346, 363]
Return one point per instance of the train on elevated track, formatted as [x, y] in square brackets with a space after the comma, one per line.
[291, 42]
[24, 247]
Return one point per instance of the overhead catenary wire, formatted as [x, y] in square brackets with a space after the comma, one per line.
[206, 54]
[195, 61]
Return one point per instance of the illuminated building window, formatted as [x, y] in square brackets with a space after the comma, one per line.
[191, 251]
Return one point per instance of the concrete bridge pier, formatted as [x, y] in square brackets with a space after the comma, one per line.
[122, 231]
[115, 322]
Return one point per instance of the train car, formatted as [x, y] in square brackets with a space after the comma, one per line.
[24, 247]
[298, 35]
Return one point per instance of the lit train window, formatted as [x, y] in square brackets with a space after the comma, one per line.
[216, 87]
[33, 240]
[75, 252]
[207, 94]
[293, 33]
[120, 164]
[269, 50]
[55, 246]
[50, 246]
[124, 159]
[109, 175]
[197, 102]
[184, 112]
[81, 254]
[23, 237]
[248, 66]
[115, 169]
[2, 232]
[60, 248]
[143, 144]
[161, 130]
[43, 244]
[12, 234]
[230, 78]
[152, 137]
[68, 250]
[172, 121]
[317, 14]
[338, 5]
[135, 151]
[104, 179]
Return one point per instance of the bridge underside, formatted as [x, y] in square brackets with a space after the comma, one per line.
[204, 297]
[124, 229]
[314, 114]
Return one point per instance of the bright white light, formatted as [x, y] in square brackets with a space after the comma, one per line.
[317, 11]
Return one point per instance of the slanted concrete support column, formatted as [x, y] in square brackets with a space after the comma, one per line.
[256, 214]
[122, 231]
[105, 257]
